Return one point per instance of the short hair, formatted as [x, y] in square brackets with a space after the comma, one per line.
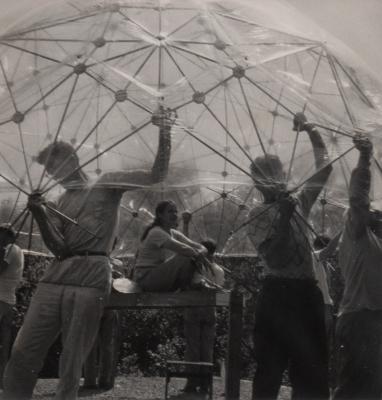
[9, 231]
[210, 245]
[55, 149]
[267, 166]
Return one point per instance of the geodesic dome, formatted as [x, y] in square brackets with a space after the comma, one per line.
[93, 74]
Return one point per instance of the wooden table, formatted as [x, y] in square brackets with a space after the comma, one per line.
[231, 299]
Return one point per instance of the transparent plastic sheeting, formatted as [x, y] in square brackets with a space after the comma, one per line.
[93, 73]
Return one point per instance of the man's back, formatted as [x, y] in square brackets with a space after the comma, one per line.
[360, 264]
[96, 211]
[263, 225]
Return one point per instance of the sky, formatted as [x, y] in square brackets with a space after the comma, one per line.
[357, 23]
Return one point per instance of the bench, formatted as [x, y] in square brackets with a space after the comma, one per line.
[231, 299]
[186, 369]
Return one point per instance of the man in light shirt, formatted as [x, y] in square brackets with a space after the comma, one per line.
[71, 295]
[359, 326]
[11, 270]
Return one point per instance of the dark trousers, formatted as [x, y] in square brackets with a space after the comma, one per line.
[6, 318]
[290, 333]
[359, 355]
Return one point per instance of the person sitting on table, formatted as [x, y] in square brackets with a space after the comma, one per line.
[167, 260]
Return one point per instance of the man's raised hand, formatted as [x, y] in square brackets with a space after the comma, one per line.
[300, 123]
[35, 201]
[363, 144]
[164, 117]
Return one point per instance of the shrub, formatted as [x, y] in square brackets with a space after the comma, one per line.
[149, 337]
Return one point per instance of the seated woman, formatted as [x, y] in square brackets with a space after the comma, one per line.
[167, 260]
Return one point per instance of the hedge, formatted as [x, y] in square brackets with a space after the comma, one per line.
[149, 337]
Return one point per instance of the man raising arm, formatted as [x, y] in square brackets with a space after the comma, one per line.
[71, 295]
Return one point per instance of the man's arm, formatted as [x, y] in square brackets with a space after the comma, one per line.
[50, 233]
[314, 185]
[183, 248]
[130, 180]
[359, 186]
[331, 248]
[164, 119]
[195, 245]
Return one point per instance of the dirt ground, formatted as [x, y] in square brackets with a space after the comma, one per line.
[133, 388]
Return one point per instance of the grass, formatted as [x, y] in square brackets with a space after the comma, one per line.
[138, 388]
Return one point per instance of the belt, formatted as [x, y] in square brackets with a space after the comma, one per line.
[83, 254]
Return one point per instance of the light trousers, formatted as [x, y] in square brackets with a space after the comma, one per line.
[73, 311]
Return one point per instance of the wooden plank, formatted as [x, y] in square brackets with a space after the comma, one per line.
[169, 299]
